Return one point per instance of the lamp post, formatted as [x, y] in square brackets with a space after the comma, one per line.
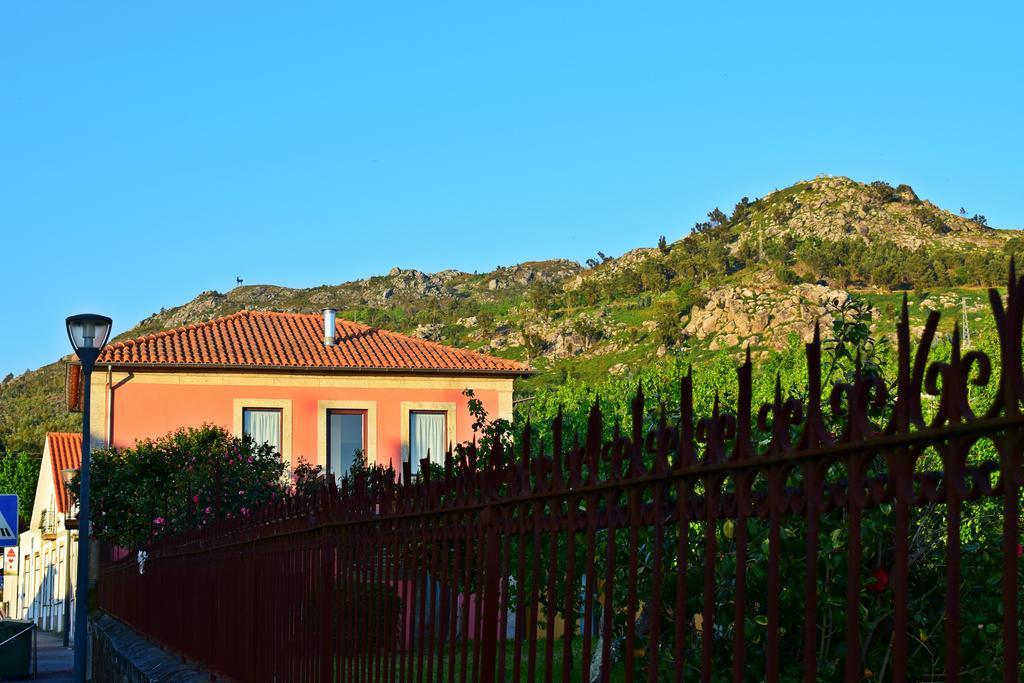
[68, 476]
[88, 334]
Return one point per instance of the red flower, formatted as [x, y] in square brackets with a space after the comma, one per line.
[1020, 550]
[881, 580]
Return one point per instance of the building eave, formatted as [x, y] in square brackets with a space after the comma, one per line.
[312, 369]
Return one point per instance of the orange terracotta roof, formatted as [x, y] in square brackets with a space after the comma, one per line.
[65, 453]
[295, 340]
[73, 387]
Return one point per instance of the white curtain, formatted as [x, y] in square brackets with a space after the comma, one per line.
[426, 433]
[264, 426]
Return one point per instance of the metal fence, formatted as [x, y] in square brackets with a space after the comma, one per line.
[838, 537]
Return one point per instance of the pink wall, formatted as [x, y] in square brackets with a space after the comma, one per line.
[152, 410]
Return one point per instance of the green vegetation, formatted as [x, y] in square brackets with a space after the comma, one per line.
[18, 474]
[178, 482]
[715, 379]
[32, 405]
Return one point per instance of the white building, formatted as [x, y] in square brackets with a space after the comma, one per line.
[43, 559]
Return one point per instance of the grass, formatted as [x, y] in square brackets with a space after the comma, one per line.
[440, 666]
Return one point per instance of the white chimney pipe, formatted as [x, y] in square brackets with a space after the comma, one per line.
[329, 326]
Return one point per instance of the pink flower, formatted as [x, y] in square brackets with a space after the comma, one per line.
[158, 520]
[208, 510]
[195, 499]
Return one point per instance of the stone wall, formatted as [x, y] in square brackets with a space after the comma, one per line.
[121, 654]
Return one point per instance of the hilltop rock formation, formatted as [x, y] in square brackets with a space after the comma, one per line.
[761, 315]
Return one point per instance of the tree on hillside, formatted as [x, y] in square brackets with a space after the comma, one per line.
[542, 296]
[886, 192]
[716, 218]
[667, 316]
[741, 210]
[654, 276]
[485, 322]
[586, 329]
[18, 474]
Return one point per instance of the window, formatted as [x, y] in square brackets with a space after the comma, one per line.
[263, 425]
[427, 436]
[346, 434]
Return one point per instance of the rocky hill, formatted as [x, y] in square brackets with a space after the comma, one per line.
[756, 276]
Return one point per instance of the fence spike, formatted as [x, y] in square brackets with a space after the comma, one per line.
[685, 447]
[593, 440]
[744, 446]
[471, 455]
[815, 433]
[662, 444]
[638, 415]
[574, 463]
[497, 459]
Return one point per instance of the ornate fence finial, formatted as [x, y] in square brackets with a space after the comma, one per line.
[685, 447]
[744, 446]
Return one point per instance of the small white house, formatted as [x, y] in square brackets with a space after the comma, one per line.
[47, 550]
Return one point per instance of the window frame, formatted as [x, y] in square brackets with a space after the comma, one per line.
[280, 422]
[364, 413]
[444, 440]
[264, 403]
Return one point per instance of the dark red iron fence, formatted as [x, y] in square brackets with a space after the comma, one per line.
[844, 541]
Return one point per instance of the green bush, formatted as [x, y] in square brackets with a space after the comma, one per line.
[179, 482]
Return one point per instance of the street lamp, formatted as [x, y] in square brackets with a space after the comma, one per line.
[68, 477]
[88, 334]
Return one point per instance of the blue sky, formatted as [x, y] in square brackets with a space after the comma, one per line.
[150, 151]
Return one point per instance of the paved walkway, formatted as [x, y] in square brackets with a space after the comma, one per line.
[56, 662]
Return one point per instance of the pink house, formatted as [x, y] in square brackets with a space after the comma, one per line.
[316, 388]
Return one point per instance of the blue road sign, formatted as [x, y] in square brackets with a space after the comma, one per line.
[8, 519]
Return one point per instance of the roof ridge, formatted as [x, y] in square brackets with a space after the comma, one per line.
[291, 339]
[160, 334]
[438, 346]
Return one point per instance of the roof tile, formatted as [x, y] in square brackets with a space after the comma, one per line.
[65, 454]
[295, 340]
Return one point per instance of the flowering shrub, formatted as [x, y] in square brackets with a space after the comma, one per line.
[181, 481]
